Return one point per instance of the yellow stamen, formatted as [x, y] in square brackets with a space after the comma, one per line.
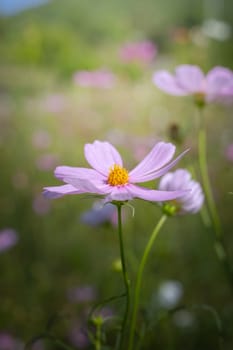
[118, 176]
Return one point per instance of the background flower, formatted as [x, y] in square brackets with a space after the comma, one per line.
[101, 78]
[181, 179]
[143, 51]
[8, 239]
[217, 85]
[99, 214]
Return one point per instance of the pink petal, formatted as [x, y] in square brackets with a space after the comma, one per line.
[154, 195]
[160, 155]
[62, 172]
[190, 78]
[165, 169]
[85, 185]
[166, 82]
[101, 156]
[59, 191]
[180, 179]
[119, 193]
[219, 79]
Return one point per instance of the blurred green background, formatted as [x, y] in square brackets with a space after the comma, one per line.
[45, 120]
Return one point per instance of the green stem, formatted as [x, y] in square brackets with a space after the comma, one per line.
[125, 277]
[139, 279]
[206, 183]
[218, 245]
[98, 337]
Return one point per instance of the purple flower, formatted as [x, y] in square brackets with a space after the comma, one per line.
[106, 313]
[97, 79]
[192, 201]
[109, 178]
[8, 342]
[99, 214]
[8, 239]
[217, 85]
[144, 51]
[78, 336]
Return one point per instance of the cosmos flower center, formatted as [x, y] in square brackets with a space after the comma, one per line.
[118, 176]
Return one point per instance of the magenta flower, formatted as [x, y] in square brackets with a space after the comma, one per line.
[98, 79]
[144, 51]
[109, 178]
[190, 202]
[217, 85]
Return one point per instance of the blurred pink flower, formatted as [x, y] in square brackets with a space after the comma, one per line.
[143, 52]
[54, 103]
[82, 294]
[41, 139]
[8, 239]
[7, 342]
[47, 162]
[229, 152]
[181, 179]
[98, 79]
[216, 86]
[40, 205]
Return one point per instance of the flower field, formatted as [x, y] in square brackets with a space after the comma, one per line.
[116, 145]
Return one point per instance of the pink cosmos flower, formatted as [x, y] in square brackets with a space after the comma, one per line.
[217, 85]
[143, 51]
[109, 178]
[98, 79]
[190, 202]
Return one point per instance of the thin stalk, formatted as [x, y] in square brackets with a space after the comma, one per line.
[202, 155]
[139, 279]
[98, 336]
[125, 278]
[206, 183]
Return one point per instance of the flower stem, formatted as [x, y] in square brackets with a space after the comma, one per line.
[139, 279]
[98, 336]
[219, 244]
[125, 277]
[206, 183]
